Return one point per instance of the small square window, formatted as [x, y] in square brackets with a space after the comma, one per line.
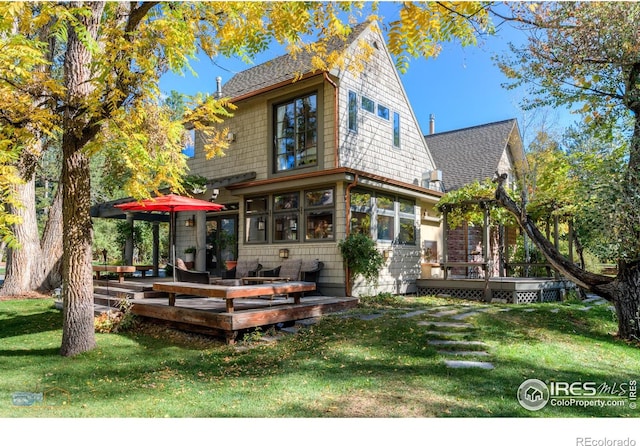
[383, 112]
[368, 104]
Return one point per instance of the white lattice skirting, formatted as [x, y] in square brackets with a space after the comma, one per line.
[519, 297]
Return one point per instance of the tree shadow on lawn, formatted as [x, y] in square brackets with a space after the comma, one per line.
[44, 352]
[19, 325]
[519, 325]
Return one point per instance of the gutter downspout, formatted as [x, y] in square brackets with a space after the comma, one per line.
[347, 203]
[335, 119]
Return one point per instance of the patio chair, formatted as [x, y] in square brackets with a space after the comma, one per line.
[296, 269]
[185, 275]
[289, 268]
[310, 270]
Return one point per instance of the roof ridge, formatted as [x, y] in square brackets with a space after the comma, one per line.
[474, 127]
[284, 66]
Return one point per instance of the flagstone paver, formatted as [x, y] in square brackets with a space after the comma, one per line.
[460, 343]
[469, 364]
[446, 324]
[463, 352]
[413, 313]
[462, 316]
[446, 333]
[445, 313]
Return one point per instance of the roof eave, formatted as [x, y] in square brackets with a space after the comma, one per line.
[269, 88]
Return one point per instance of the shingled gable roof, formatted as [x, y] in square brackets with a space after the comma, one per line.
[281, 69]
[472, 153]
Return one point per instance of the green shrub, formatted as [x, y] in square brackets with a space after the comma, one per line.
[361, 256]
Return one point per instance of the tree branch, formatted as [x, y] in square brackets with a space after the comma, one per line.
[585, 279]
[137, 14]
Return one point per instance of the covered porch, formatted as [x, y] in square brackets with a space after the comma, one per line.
[477, 266]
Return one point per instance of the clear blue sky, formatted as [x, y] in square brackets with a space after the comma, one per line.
[461, 87]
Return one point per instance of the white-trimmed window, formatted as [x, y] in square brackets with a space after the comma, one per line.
[353, 111]
[368, 104]
[393, 217]
[396, 129]
[383, 112]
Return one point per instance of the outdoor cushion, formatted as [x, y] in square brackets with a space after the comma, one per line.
[309, 265]
[180, 264]
[291, 269]
[244, 267]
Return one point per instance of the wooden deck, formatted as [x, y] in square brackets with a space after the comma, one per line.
[515, 290]
[210, 315]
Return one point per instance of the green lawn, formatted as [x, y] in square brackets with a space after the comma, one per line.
[339, 367]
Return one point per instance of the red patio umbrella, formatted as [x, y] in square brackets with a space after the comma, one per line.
[171, 203]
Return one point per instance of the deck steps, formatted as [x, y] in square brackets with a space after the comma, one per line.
[103, 300]
[119, 291]
[128, 285]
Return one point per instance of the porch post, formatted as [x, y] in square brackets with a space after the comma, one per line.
[155, 230]
[486, 237]
[128, 244]
[201, 241]
[445, 241]
[556, 240]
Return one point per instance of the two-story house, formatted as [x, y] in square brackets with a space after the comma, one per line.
[335, 151]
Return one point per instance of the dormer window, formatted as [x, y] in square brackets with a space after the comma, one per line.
[296, 133]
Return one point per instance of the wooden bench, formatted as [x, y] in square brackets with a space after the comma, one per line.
[229, 293]
[119, 269]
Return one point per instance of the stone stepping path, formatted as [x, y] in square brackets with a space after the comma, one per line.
[451, 347]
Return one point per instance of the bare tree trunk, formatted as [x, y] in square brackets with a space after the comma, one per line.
[78, 328]
[35, 265]
[21, 261]
[47, 272]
